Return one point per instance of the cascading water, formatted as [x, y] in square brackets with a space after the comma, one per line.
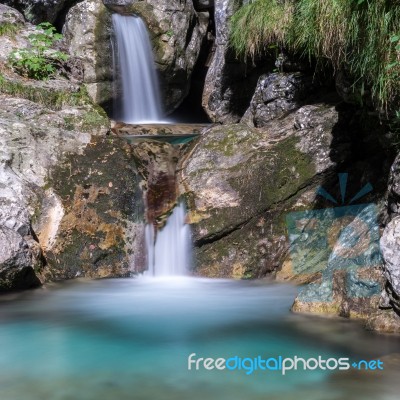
[170, 253]
[134, 72]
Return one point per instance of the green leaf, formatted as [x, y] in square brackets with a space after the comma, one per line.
[392, 65]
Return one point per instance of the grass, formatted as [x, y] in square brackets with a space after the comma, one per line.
[49, 97]
[8, 29]
[361, 36]
[260, 24]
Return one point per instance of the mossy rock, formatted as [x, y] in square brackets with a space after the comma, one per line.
[240, 183]
[102, 203]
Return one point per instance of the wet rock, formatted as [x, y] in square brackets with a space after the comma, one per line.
[177, 32]
[17, 262]
[384, 321]
[276, 95]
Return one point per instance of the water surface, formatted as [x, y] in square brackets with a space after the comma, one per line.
[130, 339]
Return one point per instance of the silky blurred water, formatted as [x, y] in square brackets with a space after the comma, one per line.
[130, 339]
[134, 66]
[170, 254]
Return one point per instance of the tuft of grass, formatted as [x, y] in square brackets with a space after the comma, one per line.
[362, 36]
[260, 24]
[8, 29]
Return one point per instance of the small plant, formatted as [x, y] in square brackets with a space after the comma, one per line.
[8, 29]
[39, 61]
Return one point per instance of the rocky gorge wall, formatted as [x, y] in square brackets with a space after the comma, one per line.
[281, 132]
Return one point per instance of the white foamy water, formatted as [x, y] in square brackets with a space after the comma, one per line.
[170, 253]
[134, 66]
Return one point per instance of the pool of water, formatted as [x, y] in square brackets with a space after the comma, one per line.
[130, 339]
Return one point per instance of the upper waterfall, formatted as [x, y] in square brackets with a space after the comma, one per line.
[134, 72]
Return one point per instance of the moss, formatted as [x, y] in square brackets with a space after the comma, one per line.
[52, 98]
[92, 119]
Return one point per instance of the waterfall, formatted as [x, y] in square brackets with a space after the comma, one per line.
[134, 72]
[170, 254]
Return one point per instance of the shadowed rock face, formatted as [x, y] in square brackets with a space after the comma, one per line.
[390, 243]
[230, 83]
[18, 261]
[37, 11]
[157, 165]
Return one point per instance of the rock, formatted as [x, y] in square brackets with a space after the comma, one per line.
[14, 39]
[87, 37]
[57, 186]
[276, 95]
[241, 182]
[255, 208]
[156, 162]
[229, 83]
[177, 32]
[384, 321]
[16, 262]
[53, 93]
[393, 201]
[203, 4]
[351, 279]
[9, 15]
[37, 11]
[390, 246]
[96, 206]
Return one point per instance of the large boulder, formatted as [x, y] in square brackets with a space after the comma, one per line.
[177, 32]
[276, 95]
[393, 199]
[240, 182]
